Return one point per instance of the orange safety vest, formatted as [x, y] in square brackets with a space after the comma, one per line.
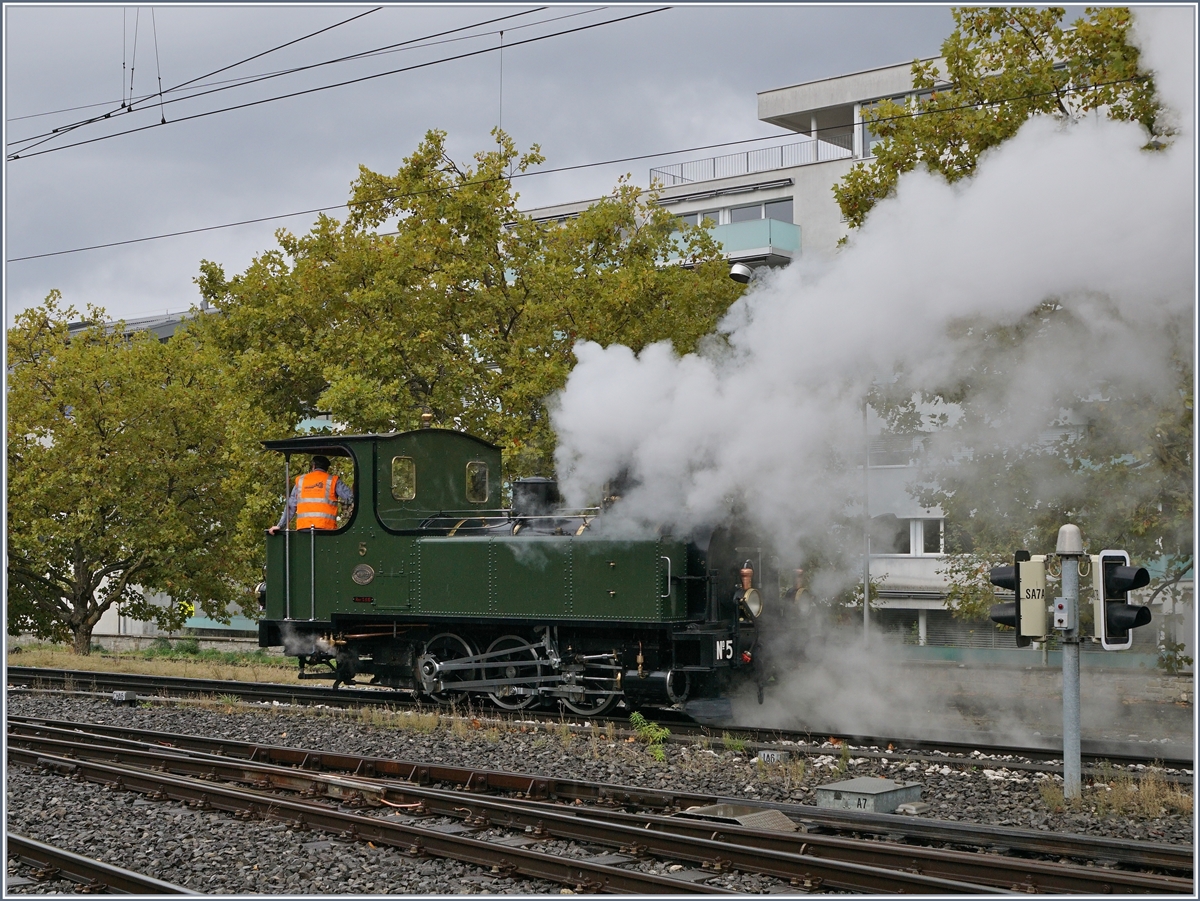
[317, 505]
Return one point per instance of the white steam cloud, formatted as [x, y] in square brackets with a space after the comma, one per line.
[1077, 212]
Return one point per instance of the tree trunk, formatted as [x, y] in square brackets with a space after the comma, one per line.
[81, 641]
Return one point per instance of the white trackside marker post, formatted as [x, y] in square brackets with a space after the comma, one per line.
[1066, 619]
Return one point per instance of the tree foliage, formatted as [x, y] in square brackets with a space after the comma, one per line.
[116, 477]
[1002, 66]
[464, 307]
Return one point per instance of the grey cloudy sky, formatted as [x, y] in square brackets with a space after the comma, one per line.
[674, 79]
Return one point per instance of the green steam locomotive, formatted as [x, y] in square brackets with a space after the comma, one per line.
[432, 586]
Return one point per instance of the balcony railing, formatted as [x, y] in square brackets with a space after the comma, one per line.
[804, 153]
[758, 235]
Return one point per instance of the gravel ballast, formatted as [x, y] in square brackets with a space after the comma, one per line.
[214, 853]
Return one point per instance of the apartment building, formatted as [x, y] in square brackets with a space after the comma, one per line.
[768, 204]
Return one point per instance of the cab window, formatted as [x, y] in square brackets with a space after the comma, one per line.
[477, 482]
[404, 478]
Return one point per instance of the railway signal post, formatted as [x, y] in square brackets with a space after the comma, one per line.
[1066, 620]
[1116, 616]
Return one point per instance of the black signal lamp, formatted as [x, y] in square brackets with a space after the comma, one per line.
[1009, 614]
[1117, 616]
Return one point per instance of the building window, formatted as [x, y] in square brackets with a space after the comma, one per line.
[779, 210]
[932, 536]
[870, 139]
[404, 478]
[745, 213]
[477, 482]
[891, 535]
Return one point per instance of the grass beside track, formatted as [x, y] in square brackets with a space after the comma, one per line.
[182, 658]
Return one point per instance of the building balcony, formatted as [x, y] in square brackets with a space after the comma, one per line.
[908, 573]
[766, 241]
[804, 153]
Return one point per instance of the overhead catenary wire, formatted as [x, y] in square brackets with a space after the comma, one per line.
[425, 41]
[23, 155]
[428, 40]
[71, 109]
[241, 80]
[412, 43]
[551, 171]
[242, 62]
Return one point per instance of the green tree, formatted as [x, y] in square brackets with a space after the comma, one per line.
[116, 478]
[1003, 65]
[438, 295]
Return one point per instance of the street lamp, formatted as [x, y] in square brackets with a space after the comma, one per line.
[741, 273]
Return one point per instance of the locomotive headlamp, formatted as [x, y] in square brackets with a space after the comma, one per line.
[753, 601]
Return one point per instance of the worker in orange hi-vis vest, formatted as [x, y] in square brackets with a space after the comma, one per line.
[314, 499]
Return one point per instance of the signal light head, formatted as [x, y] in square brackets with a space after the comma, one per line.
[1116, 616]
[1009, 578]
[1120, 580]
[1004, 577]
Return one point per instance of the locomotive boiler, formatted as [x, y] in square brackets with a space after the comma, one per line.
[432, 586]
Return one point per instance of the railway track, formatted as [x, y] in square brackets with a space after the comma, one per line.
[627, 825]
[46, 862]
[963, 751]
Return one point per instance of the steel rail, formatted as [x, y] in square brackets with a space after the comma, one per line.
[795, 863]
[1019, 874]
[685, 839]
[92, 874]
[1142, 854]
[273, 691]
[1092, 749]
[416, 840]
[960, 743]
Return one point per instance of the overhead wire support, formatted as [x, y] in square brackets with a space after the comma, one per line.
[319, 88]
[157, 66]
[124, 37]
[137, 19]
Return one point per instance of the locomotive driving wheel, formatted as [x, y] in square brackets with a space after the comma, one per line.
[596, 689]
[446, 648]
[519, 660]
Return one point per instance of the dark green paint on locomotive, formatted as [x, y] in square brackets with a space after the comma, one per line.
[427, 540]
